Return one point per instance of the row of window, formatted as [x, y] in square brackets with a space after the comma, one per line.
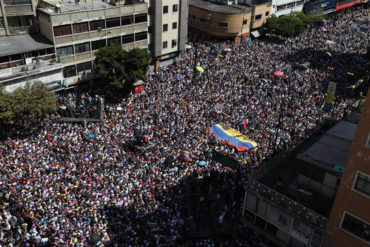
[173, 44]
[77, 69]
[175, 8]
[289, 5]
[94, 45]
[165, 26]
[99, 24]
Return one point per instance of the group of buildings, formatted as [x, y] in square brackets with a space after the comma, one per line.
[54, 41]
[318, 196]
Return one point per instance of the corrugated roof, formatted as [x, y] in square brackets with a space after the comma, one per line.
[10, 45]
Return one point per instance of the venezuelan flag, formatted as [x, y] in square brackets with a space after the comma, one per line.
[187, 156]
[232, 137]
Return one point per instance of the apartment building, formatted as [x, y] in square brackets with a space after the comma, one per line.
[289, 198]
[168, 28]
[349, 222]
[78, 30]
[285, 7]
[28, 58]
[227, 19]
[17, 17]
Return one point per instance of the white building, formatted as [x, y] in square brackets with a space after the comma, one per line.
[285, 7]
[168, 28]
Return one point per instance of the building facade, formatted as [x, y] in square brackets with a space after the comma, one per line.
[285, 7]
[78, 30]
[349, 222]
[289, 198]
[227, 20]
[167, 28]
[17, 17]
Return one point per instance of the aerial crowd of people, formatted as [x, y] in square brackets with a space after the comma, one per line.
[72, 184]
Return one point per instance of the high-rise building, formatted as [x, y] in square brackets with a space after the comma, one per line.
[349, 222]
[168, 28]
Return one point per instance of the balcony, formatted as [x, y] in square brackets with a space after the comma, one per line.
[21, 30]
[18, 10]
[17, 69]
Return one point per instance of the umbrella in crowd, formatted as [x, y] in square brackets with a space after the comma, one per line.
[278, 73]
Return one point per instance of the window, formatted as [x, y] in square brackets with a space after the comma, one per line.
[164, 45]
[16, 2]
[223, 24]
[115, 40]
[150, 29]
[368, 141]
[165, 27]
[95, 25]
[174, 43]
[174, 25]
[127, 20]
[62, 30]
[129, 38]
[356, 227]
[1, 22]
[267, 13]
[84, 67]
[114, 22]
[175, 8]
[258, 17]
[69, 71]
[80, 48]
[80, 27]
[193, 17]
[165, 9]
[202, 20]
[65, 51]
[97, 44]
[141, 18]
[141, 36]
[362, 184]
[245, 22]
[282, 220]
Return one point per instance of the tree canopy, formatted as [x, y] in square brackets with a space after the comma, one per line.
[116, 66]
[288, 25]
[33, 102]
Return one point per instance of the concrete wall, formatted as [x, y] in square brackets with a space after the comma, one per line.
[46, 77]
[212, 27]
[260, 10]
[183, 24]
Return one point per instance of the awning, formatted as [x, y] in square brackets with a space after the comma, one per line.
[256, 34]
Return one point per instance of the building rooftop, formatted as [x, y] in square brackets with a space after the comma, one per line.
[70, 6]
[226, 9]
[22, 43]
[328, 150]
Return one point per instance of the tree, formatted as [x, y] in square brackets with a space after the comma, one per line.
[115, 65]
[137, 64]
[24, 105]
[110, 65]
[288, 25]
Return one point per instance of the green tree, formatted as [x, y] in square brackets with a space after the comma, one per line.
[137, 64]
[110, 65]
[116, 66]
[288, 25]
[33, 102]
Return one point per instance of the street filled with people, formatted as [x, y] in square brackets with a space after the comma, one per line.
[76, 184]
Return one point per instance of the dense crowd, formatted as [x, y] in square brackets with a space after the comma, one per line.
[70, 185]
